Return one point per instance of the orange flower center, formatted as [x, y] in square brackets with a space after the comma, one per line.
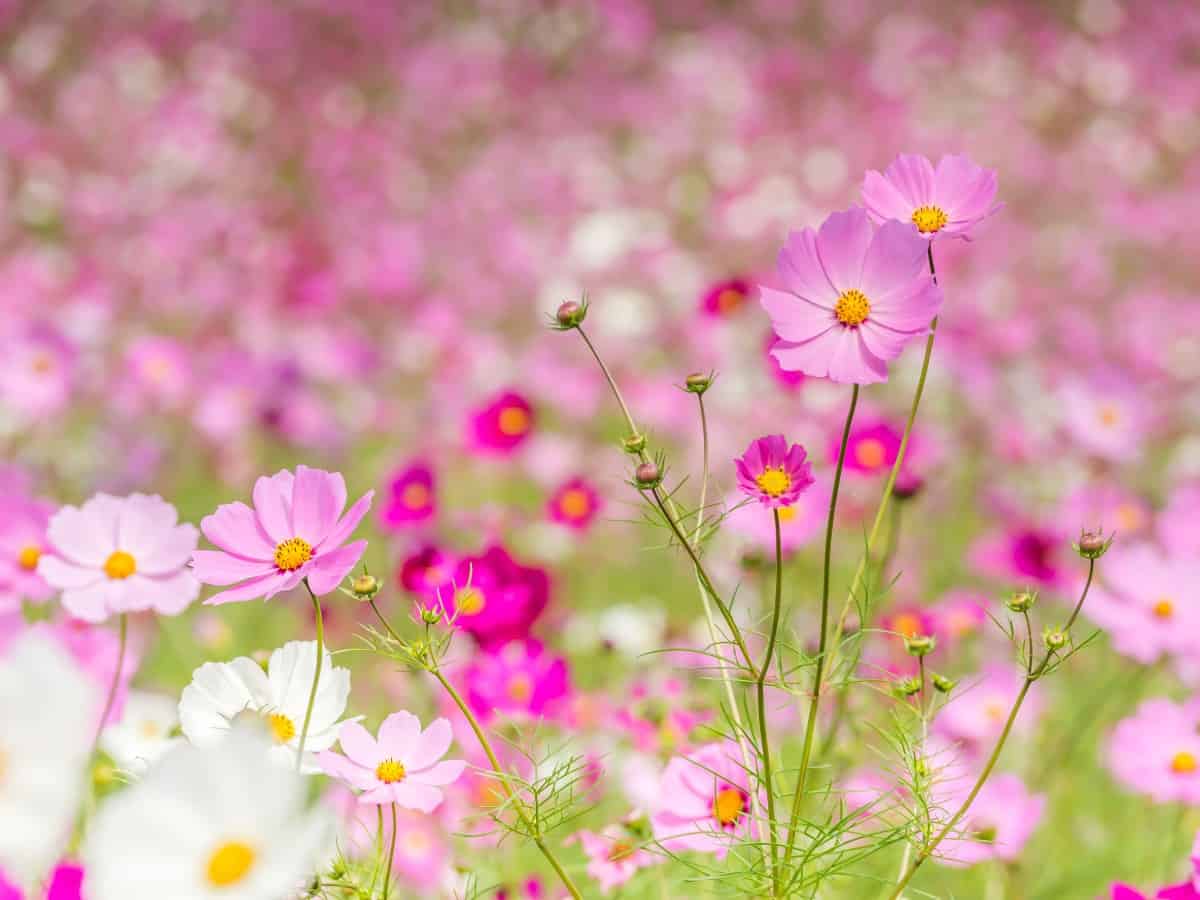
[1164, 608]
[869, 453]
[119, 565]
[852, 308]
[513, 421]
[575, 503]
[728, 806]
[1183, 763]
[729, 300]
[415, 496]
[28, 558]
[292, 554]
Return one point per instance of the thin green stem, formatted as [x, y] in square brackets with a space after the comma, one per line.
[762, 706]
[612, 382]
[815, 700]
[122, 643]
[379, 615]
[391, 858]
[502, 777]
[312, 693]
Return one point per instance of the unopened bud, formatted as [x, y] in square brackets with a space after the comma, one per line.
[365, 586]
[647, 475]
[431, 616]
[1022, 601]
[921, 767]
[635, 443]
[103, 774]
[943, 684]
[1092, 544]
[570, 314]
[906, 687]
[1054, 639]
[919, 644]
[698, 382]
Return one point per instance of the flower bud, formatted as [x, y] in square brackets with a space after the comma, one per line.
[1054, 638]
[103, 774]
[906, 687]
[1092, 544]
[921, 767]
[942, 684]
[1022, 601]
[365, 586]
[647, 475]
[431, 616]
[698, 382]
[635, 443]
[570, 314]
[919, 644]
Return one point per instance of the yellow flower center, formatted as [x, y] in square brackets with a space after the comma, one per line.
[390, 771]
[869, 453]
[786, 513]
[575, 503]
[28, 558]
[852, 308]
[282, 728]
[619, 850]
[520, 688]
[1164, 608]
[513, 421]
[415, 496]
[929, 219]
[907, 624]
[729, 300]
[773, 482]
[230, 863]
[727, 806]
[292, 554]
[119, 565]
[469, 601]
[1183, 763]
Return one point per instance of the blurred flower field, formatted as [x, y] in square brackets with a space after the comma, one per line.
[599, 448]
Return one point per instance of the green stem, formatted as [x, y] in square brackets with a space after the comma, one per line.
[312, 693]
[122, 642]
[762, 706]
[391, 858]
[502, 777]
[814, 702]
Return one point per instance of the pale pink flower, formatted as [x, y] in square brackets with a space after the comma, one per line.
[943, 201]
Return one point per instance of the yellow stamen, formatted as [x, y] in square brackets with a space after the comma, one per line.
[728, 806]
[415, 496]
[283, 729]
[907, 624]
[869, 453]
[469, 601]
[1183, 763]
[773, 482]
[929, 219]
[230, 863]
[513, 421]
[390, 771]
[575, 503]
[852, 308]
[28, 558]
[292, 554]
[119, 565]
[1164, 608]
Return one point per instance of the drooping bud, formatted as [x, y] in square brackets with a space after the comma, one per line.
[943, 684]
[1092, 544]
[1021, 601]
[634, 444]
[698, 382]
[365, 586]
[919, 644]
[647, 475]
[570, 314]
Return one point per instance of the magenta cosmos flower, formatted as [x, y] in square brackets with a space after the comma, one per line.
[703, 801]
[724, 298]
[772, 472]
[410, 497]
[502, 424]
[946, 201]
[520, 679]
[404, 766]
[852, 298]
[118, 555]
[295, 531]
[574, 504]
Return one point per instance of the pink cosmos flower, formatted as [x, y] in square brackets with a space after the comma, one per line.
[1156, 751]
[120, 554]
[871, 448]
[160, 370]
[614, 856]
[724, 298]
[773, 473]
[703, 801]
[799, 523]
[411, 497]
[519, 679]
[977, 712]
[492, 596]
[1176, 526]
[852, 298]
[1107, 416]
[789, 381]
[22, 542]
[424, 570]
[575, 504]
[295, 531]
[1024, 553]
[946, 201]
[997, 826]
[404, 766]
[501, 425]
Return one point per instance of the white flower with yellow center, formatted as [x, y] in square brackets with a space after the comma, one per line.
[223, 693]
[48, 710]
[146, 731]
[207, 823]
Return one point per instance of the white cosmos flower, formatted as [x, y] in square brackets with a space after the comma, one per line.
[48, 710]
[221, 693]
[207, 823]
[144, 732]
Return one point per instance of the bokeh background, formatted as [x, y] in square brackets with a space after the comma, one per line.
[242, 235]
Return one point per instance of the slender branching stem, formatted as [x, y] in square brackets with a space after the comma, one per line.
[764, 742]
[122, 643]
[312, 693]
[815, 700]
[391, 857]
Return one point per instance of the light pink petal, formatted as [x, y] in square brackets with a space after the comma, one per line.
[431, 746]
[883, 199]
[842, 244]
[883, 342]
[317, 500]
[235, 529]
[445, 772]
[338, 766]
[910, 309]
[810, 357]
[144, 521]
[327, 571]
[272, 505]
[794, 318]
[360, 747]
[168, 595]
[219, 567]
[962, 189]
[800, 268]
[852, 363]
[86, 535]
[88, 603]
[348, 523]
[61, 574]
[172, 552]
[398, 733]
[262, 586]
[897, 255]
[913, 177]
[421, 797]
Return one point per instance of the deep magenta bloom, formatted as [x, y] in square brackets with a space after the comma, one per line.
[946, 201]
[492, 596]
[520, 679]
[295, 531]
[773, 473]
[575, 504]
[425, 570]
[852, 297]
[411, 497]
[871, 448]
[725, 297]
[502, 424]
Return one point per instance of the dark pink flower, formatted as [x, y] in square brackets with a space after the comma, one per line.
[575, 504]
[772, 472]
[519, 679]
[501, 425]
[725, 297]
[410, 497]
[492, 596]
